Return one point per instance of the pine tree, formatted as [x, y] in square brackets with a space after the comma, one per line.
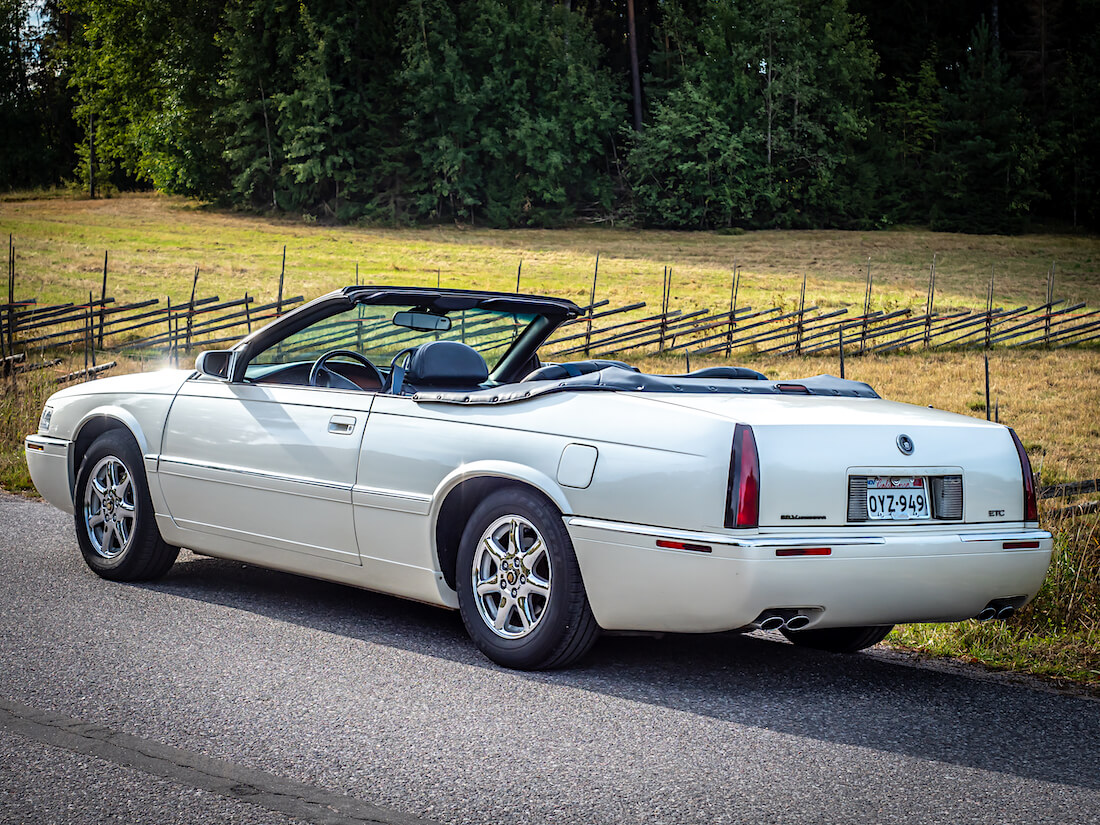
[987, 157]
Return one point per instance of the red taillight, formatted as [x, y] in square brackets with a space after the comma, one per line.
[1031, 503]
[744, 487]
[797, 388]
[804, 551]
[682, 545]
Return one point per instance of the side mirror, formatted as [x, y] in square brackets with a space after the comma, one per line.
[214, 363]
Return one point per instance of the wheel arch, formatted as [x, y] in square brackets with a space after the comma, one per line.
[96, 424]
[462, 491]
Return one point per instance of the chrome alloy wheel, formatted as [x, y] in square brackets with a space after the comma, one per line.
[511, 577]
[109, 509]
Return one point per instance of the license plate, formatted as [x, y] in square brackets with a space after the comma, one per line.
[894, 498]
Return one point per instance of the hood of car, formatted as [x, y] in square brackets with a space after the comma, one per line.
[161, 382]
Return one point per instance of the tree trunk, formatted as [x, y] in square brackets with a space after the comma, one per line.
[635, 76]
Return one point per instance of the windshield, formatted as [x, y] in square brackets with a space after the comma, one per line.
[369, 330]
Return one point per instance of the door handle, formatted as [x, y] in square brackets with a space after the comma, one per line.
[341, 424]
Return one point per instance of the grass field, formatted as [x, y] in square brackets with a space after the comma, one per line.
[155, 242]
[1052, 399]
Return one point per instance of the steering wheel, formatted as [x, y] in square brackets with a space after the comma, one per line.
[335, 380]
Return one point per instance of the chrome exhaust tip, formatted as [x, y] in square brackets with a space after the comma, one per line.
[1006, 611]
[772, 623]
[986, 614]
[797, 622]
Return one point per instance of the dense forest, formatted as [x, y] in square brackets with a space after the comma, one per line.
[974, 116]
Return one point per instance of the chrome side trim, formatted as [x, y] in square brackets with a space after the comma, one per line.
[47, 441]
[381, 491]
[720, 538]
[1007, 535]
[383, 499]
[167, 461]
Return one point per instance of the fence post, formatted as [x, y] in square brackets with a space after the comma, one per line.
[801, 314]
[735, 283]
[866, 307]
[989, 312]
[191, 308]
[103, 299]
[591, 304]
[1050, 302]
[987, 386]
[930, 303]
[11, 295]
[282, 273]
[171, 337]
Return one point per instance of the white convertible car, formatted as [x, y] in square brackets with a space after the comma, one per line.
[409, 441]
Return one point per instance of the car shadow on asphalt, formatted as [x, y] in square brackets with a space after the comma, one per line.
[858, 700]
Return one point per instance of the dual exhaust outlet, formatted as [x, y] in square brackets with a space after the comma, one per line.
[991, 612]
[770, 620]
[1001, 608]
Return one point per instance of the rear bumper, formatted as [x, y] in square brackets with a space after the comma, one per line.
[868, 579]
[49, 465]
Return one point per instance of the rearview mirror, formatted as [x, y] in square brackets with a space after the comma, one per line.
[423, 321]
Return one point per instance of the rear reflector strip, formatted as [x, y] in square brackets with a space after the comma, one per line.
[682, 545]
[804, 551]
[36, 447]
[1021, 545]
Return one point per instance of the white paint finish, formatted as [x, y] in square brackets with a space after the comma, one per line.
[122, 401]
[578, 462]
[634, 585]
[804, 468]
[48, 462]
[395, 498]
[253, 472]
[260, 462]
[797, 409]
[643, 447]
[397, 579]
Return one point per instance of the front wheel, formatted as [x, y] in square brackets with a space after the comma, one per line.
[519, 585]
[115, 526]
[840, 639]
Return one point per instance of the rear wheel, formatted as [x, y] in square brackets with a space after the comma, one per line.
[519, 585]
[840, 639]
[115, 526]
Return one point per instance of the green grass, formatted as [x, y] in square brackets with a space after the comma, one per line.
[1051, 399]
[1056, 636]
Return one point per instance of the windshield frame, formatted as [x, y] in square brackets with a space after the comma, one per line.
[546, 315]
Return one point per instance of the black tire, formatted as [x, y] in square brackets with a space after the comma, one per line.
[115, 526]
[540, 618]
[840, 639]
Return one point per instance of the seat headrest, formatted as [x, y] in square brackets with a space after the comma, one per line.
[446, 364]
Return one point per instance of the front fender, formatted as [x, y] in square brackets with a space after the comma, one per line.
[115, 413]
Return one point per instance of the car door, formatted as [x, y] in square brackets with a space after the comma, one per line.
[273, 465]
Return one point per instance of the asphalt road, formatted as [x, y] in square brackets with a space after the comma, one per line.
[229, 694]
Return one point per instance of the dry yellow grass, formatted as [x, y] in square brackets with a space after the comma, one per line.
[155, 243]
